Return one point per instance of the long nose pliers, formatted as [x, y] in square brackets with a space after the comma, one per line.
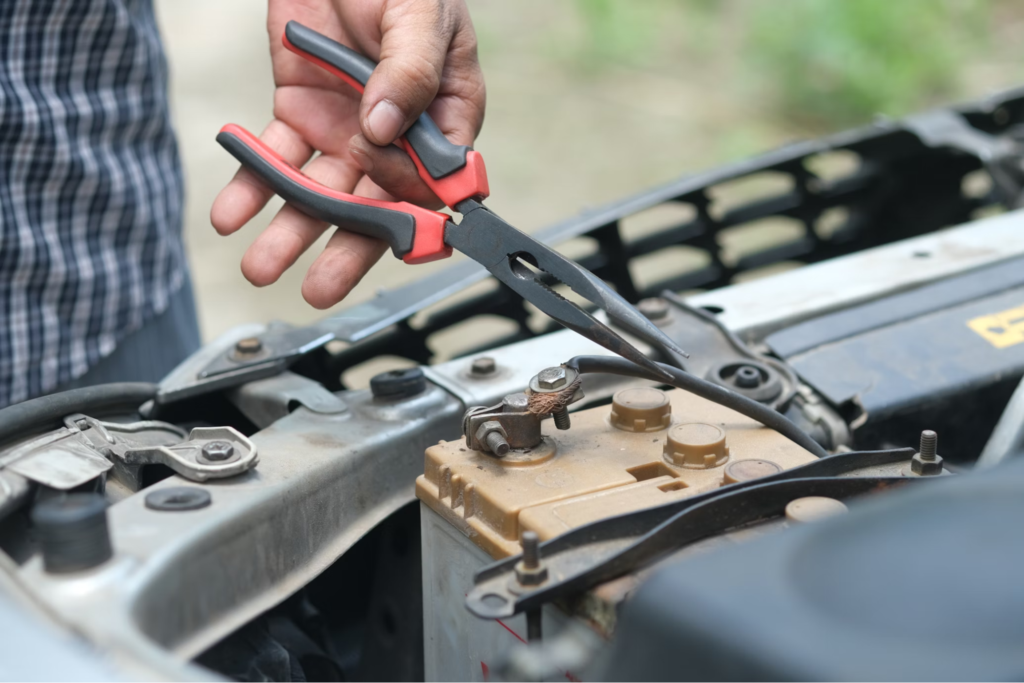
[457, 176]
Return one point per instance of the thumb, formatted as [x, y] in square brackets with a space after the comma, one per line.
[414, 43]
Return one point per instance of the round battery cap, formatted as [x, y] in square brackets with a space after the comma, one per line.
[696, 445]
[813, 508]
[748, 470]
[641, 409]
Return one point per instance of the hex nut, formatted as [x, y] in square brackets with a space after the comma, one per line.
[654, 309]
[483, 366]
[486, 429]
[218, 451]
[531, 577]
[696, 445]
[926, 468]
[551, 378]
[641, 409]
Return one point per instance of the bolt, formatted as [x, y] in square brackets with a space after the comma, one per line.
[483, 366]
[927, 462]
[218, 451]
[490, 436]
[561, 418]
[531, 550]
[249, 346]
[654, 309]
[551, 378]
[929, 445]
[515, 403]
[530, 571]
[496, 443]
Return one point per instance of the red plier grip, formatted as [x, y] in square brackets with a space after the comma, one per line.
[415, 234]
[453, 172]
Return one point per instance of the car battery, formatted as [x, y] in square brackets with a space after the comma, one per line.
[648, 448]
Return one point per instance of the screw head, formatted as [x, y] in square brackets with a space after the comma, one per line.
[218, 451]
[483, 366]
[250, 345]
[551, 378]
[515, 403]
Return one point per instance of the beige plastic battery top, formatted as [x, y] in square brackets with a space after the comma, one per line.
[647, 448]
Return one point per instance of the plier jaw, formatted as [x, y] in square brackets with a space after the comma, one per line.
[416, 235]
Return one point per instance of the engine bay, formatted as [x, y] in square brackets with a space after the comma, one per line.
[801, 500]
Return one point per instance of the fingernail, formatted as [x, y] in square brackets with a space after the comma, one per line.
[384, 122]
[360, 154]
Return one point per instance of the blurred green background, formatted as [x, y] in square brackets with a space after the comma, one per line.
[591, 100]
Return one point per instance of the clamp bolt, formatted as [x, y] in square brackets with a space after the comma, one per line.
[218, 451]
[551, 378]
[496, 442]
[492, 435]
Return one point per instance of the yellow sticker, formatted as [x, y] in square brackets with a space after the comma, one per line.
[1001, 329]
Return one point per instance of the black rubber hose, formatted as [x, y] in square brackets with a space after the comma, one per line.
[47, 412]
[705, 389]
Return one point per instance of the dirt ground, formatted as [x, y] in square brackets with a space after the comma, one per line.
[556, 141]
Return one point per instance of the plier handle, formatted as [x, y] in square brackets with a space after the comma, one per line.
[416, 235]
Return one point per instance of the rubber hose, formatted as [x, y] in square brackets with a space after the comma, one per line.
[47, 412]
[705, 389]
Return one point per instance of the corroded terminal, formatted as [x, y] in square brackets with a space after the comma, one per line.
[593, 471]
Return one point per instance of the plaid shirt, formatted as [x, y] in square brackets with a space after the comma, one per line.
[90, 186]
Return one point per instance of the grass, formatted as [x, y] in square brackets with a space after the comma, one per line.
[824, 63]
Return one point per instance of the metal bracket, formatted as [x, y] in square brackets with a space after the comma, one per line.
[266, 401]
[187, 458]
[87, 448]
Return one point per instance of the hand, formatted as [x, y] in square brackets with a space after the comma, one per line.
[426, 51]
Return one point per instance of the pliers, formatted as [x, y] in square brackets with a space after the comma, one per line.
[457, 176]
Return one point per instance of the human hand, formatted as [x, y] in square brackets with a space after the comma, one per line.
[427, 57]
